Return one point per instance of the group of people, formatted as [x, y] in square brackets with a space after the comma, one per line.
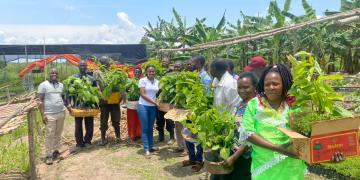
[54, 101]
[258, 97]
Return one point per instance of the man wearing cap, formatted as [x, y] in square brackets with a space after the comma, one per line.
[257, 65]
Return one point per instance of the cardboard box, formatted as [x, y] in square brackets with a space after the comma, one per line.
[177, 114]
[327, 137]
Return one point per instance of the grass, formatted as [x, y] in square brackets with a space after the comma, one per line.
[14, 149]
[350, 167]
[14, 153]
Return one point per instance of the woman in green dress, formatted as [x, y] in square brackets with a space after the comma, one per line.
[272, 157]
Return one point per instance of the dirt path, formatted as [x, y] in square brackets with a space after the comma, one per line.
[117, 161]
[114, 161]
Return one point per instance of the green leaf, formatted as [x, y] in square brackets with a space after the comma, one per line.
[215, 148]
[224, 153]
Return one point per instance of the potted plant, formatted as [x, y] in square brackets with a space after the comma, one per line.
[215, 132]
[83, 97]
[314, 96]
[132, 93]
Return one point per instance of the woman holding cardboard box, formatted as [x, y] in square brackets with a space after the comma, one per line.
[271, 156]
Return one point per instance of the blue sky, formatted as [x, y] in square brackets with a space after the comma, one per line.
[91, 21]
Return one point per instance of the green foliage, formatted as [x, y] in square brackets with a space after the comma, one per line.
[349, 167]
[215, 130]
[314, 96]
[14, 150]
[167, 86]
[132, 90]
[180, 88]
[116, 81]
[160, 71]
[328, 41]
[86, 96]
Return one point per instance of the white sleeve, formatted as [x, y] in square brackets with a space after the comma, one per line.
[233, 99]
[142, 83]
[41, 89]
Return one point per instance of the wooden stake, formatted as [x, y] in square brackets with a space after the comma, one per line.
[38, 127]
[32, 172]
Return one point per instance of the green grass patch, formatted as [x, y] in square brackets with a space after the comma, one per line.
[350, 167]
[14, 149]
[14, 154]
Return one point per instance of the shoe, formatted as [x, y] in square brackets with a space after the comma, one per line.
[183, 154]
[49, 160]
[154, 149]
[171, 142]
[56, 154]
[87, 145]
[186, 163]
[161, 136]
[179, 150]
[77, 148]
[197, 167]
[102, 142]
[147, 154]
[118, 140]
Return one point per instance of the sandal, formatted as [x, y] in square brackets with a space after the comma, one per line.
[188, 163]
[197, 167]
[178, 150]
[183, 154]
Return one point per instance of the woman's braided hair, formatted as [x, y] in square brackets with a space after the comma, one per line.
[285, 74]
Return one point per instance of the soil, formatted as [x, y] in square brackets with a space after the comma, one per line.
[114, 160]
[123, 160]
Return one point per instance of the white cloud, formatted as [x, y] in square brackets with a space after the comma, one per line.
[69, 8]
[121, 33]
[124, 19]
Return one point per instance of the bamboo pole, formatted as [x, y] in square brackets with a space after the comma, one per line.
[32, 172]
[260, 35]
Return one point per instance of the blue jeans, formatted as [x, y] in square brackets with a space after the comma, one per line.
[194, 155]
[147, 116]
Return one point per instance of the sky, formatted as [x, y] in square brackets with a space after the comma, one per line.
[118, 21]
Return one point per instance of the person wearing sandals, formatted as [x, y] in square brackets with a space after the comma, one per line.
[147, 108]
[241, 154]
[195, 151]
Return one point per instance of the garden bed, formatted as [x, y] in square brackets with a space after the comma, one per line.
[348, 169]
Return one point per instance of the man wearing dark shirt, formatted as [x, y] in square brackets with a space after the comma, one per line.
[81, 140]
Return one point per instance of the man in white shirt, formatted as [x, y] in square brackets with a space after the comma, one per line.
[226, 97]
[52, 110]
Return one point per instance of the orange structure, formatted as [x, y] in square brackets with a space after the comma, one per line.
[71, 59]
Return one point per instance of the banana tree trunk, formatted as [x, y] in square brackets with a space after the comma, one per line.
[348, 62]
